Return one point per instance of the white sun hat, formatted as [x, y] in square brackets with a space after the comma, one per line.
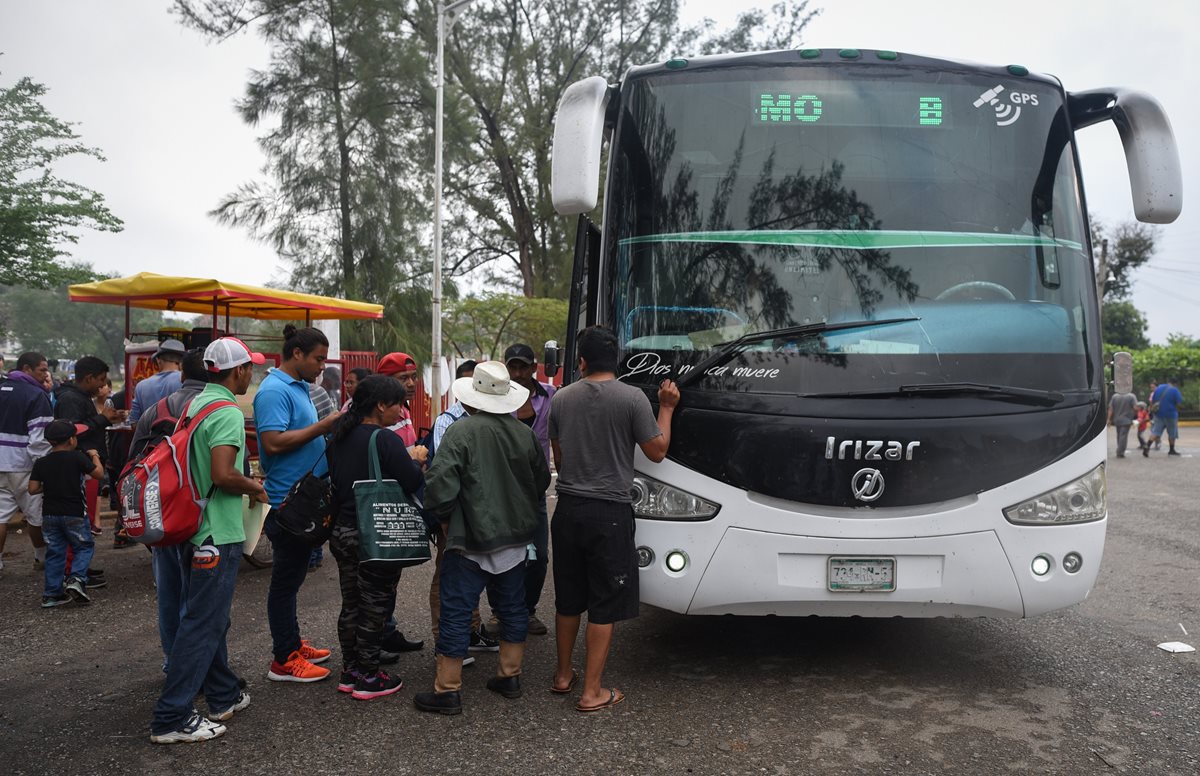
[490, 389]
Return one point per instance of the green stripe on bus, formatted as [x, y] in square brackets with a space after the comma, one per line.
[857, 239]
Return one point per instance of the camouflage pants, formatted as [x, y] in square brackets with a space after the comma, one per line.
[368, 597]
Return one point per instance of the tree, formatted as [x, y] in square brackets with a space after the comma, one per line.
[344, 200]
[45, 321]
[510, 63]
[1129, 245]
[483, 326]
[1178, 339]
[1124, 325]
[39, 211]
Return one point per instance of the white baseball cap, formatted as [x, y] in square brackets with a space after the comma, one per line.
[228, 352]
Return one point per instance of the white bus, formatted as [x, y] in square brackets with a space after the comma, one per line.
[871, 274]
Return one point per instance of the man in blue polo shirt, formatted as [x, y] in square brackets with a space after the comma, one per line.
[291, 441]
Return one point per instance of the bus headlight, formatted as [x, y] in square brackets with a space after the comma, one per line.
[659, 501]
[1079, 501]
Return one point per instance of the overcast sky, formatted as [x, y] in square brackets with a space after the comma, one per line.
[158, 101]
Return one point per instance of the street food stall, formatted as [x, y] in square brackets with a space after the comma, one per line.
[221, 300]
[224, 302]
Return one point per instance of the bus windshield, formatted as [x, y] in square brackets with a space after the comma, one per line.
[944, 205]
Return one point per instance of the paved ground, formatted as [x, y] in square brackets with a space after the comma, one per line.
[1079, 691]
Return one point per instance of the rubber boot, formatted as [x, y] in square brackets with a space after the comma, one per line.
[507, 680]
[445, 698]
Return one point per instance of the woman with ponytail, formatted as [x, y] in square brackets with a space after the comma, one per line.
[368, 592]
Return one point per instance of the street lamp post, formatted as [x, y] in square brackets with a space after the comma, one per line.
[445, 20]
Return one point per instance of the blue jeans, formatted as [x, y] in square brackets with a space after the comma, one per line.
[168, 584]
[288, 571]
[461, 583]
[62, 531]
[199, 660]
[535, 572]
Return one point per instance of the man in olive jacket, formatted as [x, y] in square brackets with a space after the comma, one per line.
[485, 485]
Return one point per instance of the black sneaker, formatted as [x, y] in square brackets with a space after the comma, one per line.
[94, 582]
[76, 590]
[481, 642]
[388, 658]
[51, 601]
[1172, 452]
[395, 642]
[376, 685]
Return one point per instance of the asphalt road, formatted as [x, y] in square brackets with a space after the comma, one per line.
[1083, 690]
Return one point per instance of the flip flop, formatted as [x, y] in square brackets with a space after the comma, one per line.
[570, 684]
[615, 696]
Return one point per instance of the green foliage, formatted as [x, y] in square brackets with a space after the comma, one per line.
[1178, 339]
[1130, 245]
[1124, 325]
[481, 327]
[1157, 363]
[39, 211]
[43, 320]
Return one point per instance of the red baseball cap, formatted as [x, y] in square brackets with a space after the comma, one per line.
[396, 363]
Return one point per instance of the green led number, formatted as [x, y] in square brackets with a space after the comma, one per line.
[785, 108]
[929, 111]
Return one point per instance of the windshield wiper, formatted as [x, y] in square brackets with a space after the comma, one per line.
[1034, 395]
[728, 350]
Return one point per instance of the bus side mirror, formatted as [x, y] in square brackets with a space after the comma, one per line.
[578, 137]
[550, 359]
[1151, 155]
[1122, 372]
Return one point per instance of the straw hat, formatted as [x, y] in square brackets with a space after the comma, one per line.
[490, 389]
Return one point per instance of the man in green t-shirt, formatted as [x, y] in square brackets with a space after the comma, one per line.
[197, 577]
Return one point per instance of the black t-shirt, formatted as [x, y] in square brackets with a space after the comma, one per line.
[348, 463]
[62, 474]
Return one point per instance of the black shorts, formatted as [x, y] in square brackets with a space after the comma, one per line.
[595, 565]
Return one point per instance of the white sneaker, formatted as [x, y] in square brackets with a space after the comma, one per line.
[196, 729]
[241, 703]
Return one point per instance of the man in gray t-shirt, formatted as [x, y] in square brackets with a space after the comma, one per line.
[1122, 412]
[595, 423]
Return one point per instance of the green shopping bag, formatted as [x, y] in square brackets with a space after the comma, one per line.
[390, 528]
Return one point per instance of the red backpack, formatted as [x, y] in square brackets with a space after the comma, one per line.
[158, 497]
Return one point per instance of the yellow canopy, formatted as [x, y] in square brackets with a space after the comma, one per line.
[197, 295]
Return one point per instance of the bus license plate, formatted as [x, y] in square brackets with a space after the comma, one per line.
[862, 575]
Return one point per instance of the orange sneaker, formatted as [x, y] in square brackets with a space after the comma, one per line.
[312, 654]
[296, 669]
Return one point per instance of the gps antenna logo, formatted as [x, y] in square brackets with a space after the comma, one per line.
[1005, 114]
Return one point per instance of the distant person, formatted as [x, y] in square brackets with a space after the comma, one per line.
[58, 477]
[535, 413]
[1166, 419]
[1122, 412]
[169, 361]
[1143, 423]
[353, 378]
[484, 487]
[595, 423]
[24, 414]
[368, 589]
[103, 397]
[291, 442]
[76, 404]
[196, 579]
[331, 382]
[402, 367]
